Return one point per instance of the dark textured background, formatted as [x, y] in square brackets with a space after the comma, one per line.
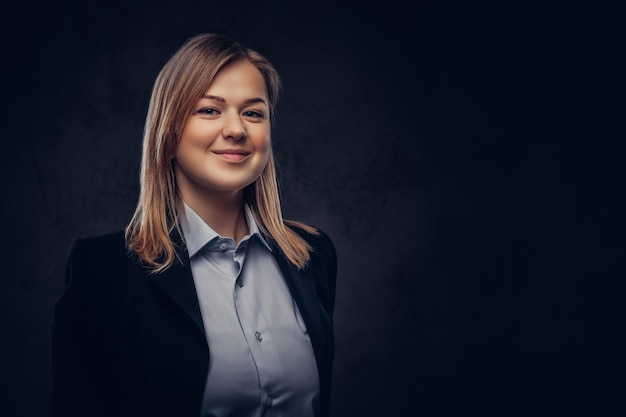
[466, 160]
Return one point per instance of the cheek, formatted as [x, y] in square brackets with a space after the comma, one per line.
[265, 150]
[198, 134]
[263, 141]
[265, 146]
[183, 149]
[259, 138]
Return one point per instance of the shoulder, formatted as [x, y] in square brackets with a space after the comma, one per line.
[98, 254]
[313, 235]
[321, 244]
[322, 263]
[109, 240]
[101, 247]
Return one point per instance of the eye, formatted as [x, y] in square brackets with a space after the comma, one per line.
[209, 111]
[253, 114]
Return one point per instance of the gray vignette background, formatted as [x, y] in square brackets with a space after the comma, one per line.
[465, 158]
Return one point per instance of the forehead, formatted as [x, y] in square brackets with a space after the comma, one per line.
[240, 79]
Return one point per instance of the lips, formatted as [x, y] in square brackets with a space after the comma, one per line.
[232, 155]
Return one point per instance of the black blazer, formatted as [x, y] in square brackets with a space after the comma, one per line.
[129, 343]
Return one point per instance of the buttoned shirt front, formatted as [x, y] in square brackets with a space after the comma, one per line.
[261, 359]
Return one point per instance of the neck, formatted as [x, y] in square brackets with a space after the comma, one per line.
[221, 210]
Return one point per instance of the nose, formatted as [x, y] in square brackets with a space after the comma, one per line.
[233, 128]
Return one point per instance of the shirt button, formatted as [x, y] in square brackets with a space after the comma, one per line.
[258, 336]
[239, 282]
[223, 245]
[269, 401]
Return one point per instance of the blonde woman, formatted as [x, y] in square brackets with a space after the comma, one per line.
[209, 303]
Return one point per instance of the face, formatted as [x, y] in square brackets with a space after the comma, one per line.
[225, 143]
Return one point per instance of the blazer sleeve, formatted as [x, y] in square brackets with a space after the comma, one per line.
[84, 357]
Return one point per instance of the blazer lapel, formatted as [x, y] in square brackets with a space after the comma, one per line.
[301, 283]
[175, 350]
[177, 283]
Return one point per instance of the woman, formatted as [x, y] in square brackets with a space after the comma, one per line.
[209, 303]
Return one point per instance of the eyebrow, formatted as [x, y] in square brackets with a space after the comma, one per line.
[248, 101]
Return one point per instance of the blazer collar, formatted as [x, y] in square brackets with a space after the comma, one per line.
[302, 286]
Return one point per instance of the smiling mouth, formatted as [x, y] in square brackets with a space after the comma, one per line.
[232, 155]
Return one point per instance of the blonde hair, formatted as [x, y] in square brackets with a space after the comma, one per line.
[180, 84]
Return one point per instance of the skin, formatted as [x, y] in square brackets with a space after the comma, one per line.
[224, 147]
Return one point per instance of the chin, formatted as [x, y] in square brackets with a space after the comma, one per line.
[231, 186]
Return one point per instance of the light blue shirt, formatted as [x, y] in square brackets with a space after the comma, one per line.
[261, 358]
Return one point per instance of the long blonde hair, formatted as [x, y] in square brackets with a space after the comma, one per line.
[178, 87]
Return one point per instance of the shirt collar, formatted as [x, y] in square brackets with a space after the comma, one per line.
[197, 233]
